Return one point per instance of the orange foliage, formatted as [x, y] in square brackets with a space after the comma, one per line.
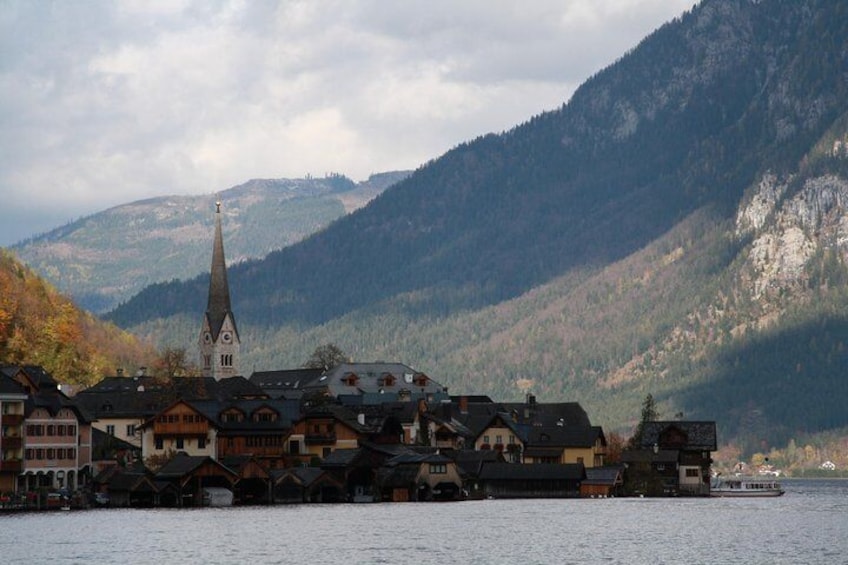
[39, 326]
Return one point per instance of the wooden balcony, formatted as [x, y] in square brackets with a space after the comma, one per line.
[320, 439]
[11, 442]
[12, 466]
[12, 419]
[181, 429]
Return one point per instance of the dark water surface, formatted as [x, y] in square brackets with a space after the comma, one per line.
[807, 525]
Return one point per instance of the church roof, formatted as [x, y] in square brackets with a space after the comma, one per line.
[218, 305]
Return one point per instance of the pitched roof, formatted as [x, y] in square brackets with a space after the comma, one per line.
[378, 378]
[10, 388]
[608, 475]
[689, 435]
[563, 436]
[218, 303]
[182, 464]
[285, 382]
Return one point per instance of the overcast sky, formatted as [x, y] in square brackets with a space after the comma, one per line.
[104, 103]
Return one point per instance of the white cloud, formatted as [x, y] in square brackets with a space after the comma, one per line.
[103, 103]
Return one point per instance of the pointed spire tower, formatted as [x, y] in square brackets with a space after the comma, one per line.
[219, 339]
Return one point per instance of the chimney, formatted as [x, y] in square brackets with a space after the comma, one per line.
[463, 404]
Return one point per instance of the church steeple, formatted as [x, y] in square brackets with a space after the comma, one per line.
[219, 340]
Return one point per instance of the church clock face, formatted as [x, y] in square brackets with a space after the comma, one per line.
[207, 337]
[227, 337]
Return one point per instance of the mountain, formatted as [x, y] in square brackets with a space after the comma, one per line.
[674, 228]
[166, 238]
[39, 326]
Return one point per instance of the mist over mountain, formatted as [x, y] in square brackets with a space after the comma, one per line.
[677, 227]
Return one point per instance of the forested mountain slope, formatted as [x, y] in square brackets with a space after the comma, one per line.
[106, 258]
[675, 228]
[39, 326]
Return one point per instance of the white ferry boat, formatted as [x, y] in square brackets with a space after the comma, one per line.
[742, 486]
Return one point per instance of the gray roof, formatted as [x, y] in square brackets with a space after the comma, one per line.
[285, 382]
[695, 435]
[563, 436]
[378, 378]
[609, 475]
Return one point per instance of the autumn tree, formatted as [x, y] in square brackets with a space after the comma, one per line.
[326, 357]
[173, 362]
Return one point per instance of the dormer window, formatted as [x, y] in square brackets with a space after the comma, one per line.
[350, 379]
[387, 380]
[421, 379]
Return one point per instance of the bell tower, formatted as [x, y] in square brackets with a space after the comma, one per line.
[219, 339]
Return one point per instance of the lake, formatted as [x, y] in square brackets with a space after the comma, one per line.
[809, 524]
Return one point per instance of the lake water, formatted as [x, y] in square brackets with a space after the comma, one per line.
[808, 525]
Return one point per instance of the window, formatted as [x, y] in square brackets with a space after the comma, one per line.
[499, 439]
[51, 429]
[201, 443]
[438, 468]
[294, 447]
[72, 430]
[130, 430]
[110, 429]
[159, 443]
[486, 439]
[180, 443]
[692, 473]
[51, 453]
[60, 430]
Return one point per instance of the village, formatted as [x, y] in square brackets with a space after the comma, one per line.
[354, 432]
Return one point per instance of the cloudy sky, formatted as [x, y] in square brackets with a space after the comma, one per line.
[104, 103]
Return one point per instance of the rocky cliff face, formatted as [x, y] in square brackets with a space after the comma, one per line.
[789, 232]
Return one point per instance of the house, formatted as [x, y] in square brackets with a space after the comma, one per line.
[559, 443]
[121, 404]
[416, 476]
[507, 480]
[189, 475]
[57, 434]
[504, 435]
[254, 480]
[603, 482]
[258, 428]
[12, 412]
[671, 458]
[470, 464]
[306, 484]
[324, 429]
[180, 427]
[126, 487]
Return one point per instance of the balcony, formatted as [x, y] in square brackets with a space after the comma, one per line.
[11, 442]
[12, 419]
[12, 466]
[320, 439]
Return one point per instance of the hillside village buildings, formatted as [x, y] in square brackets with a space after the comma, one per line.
[355, 432]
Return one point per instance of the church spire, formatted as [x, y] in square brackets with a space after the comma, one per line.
[219, 339]
[218, 305]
